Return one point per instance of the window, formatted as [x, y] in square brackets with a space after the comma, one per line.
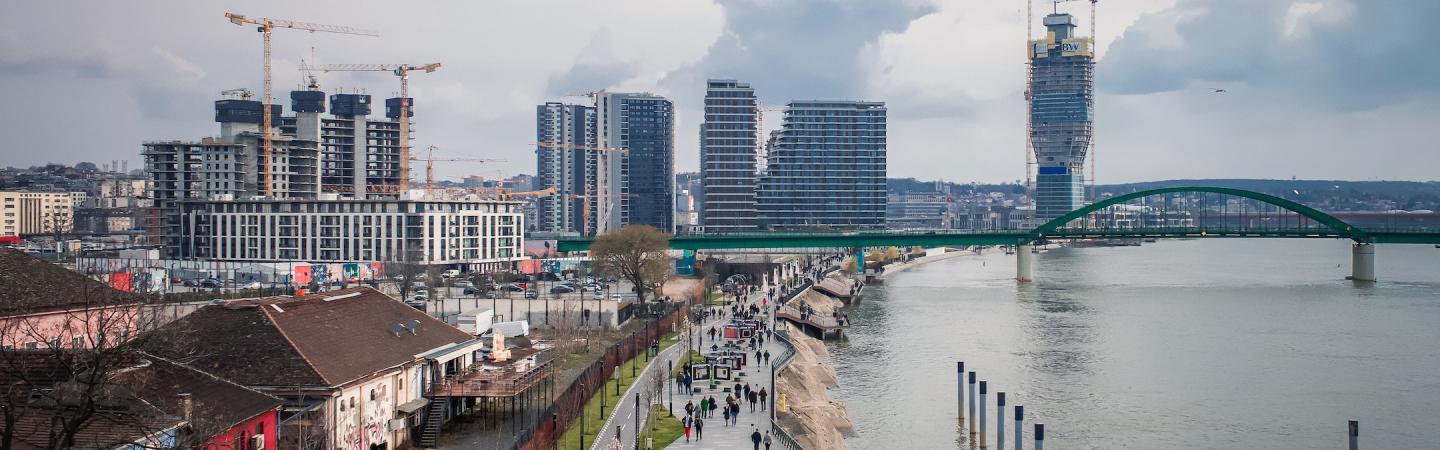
[77, 342]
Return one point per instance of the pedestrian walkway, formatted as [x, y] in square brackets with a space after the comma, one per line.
[623, 416]
[716, 433]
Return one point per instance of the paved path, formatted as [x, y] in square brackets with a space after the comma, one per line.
[718, 435]
[624, 413]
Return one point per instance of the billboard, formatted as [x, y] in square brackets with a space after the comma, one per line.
[540, 248]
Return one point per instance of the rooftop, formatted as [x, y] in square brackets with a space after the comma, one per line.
[327, 339]
[30, 285]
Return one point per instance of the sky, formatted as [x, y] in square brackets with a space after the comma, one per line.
[1314, 89]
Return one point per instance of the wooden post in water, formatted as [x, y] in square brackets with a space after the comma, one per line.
[1019, 427]
[1039, 436]
[972, 403]
[983, 407]
[1000, 420]
[960, 389]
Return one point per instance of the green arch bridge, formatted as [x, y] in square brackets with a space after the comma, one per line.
[1286, 219]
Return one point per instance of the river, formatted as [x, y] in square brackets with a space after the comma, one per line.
[1205, 343]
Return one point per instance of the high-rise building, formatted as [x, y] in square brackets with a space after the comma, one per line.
[636, 180]
[225, 168]
[565, 159]
[359, 154]
[826, 168]
[1062, 103]
[728, 156]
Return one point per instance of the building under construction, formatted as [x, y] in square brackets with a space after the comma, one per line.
[346, 154]
[1062, 107]
[360, 154]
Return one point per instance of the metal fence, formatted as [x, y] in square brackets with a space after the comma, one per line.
[545, 429]
[782, 437]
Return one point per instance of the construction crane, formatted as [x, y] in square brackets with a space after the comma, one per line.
[265, 26]
[540, 193]
[430, 166]
[400, 70]
[243, 93]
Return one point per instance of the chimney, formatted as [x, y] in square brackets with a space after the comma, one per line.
[187, 405]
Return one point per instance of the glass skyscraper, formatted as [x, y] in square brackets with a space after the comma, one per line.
[728, 154]
[640, 179]
[565, 160]
[1062, 103]
[826, 168]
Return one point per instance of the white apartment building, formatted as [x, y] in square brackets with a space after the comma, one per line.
[25, 213]
[352, 230]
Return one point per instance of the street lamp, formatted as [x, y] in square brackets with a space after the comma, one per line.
[671, 388]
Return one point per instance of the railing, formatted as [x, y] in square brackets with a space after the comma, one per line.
[547, 427]
[782, 437]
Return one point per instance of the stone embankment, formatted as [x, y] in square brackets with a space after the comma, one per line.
[812, 418]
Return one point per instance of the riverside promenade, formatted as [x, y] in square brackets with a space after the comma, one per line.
[718, 435]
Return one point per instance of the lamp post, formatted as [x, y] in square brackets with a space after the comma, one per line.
[671, 388]
[583, 388]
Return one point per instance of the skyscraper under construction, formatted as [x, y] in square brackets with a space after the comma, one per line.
[1062, 107]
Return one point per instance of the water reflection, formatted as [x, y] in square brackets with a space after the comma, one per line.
[1147, 347]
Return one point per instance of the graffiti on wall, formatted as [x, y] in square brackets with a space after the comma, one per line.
[367, 422]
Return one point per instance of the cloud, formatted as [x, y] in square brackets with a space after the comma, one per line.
[1328, 54]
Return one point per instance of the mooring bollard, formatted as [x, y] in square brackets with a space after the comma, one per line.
[1039, 436]
[972, 403]
[1354, 435]
[960, 389]
[1000, 420]
[983, 407]
[1019, 427]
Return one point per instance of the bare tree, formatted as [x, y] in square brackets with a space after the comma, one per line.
[636, 253]
[67, 365]
[405, 272]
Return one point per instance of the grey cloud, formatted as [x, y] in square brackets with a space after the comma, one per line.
[804, 49]
[1378, 55]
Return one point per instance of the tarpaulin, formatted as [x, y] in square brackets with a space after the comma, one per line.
[302, 275]
[529, 266]
[352, 271]
[121, 281]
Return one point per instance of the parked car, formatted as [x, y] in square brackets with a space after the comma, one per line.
[252, 285]
[452, 273]
[420, 296]
[464, 284]
[516, 287]
[561, 289]
[210, 283]
[469, 290]
[420, 305]
[491, 294]
[599, 295]
[532, 294]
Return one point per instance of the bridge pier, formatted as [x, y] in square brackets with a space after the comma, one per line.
[1362, 262]
[1024, 269]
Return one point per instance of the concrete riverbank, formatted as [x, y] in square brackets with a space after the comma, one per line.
[810, 415]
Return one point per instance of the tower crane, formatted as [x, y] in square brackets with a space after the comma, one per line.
[265, 26]
[430, 166]
[243, 93]
[400, 70]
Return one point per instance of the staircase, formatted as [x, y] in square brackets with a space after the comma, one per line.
[434, 418]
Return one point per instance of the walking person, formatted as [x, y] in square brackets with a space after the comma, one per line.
[690, 407]
[763, 395]
[755, 437]
[710, 412]
[686, 422]
[699, 429]
[700, 411]
[767, 357]
[751, 397]
[767, 440]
